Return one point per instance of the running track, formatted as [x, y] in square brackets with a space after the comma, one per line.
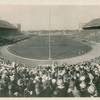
[4, 53]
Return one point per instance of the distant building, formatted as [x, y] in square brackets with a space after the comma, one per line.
[81, 25]
[18, 26]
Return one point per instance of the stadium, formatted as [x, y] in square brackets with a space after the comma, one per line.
[50, 63]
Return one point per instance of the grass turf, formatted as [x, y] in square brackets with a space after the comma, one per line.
[61, 48]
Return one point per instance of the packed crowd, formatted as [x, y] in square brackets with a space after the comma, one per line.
[87, 36]
[11, 37]
[77, 80]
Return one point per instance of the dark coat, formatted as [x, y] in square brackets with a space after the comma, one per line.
[84, 93]
[48, 92]
[4, 90]
[61, 92]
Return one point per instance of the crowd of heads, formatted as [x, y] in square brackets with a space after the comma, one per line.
[76, 80]
[87, 36]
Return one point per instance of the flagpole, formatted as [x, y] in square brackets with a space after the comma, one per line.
[49, 36]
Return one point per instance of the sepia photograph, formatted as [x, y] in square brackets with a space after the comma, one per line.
[49, 51]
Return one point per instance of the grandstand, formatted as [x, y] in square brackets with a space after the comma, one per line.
[6, 25]
[9, 33]
[90, 33]
[93, 24]
[7, 28]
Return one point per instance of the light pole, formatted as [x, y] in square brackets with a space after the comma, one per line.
[49, 37]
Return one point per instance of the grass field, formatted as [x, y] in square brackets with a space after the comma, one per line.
[61, 48]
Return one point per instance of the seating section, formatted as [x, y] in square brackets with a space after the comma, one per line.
[75, 80]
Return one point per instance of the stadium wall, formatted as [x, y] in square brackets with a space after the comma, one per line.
[7, 31]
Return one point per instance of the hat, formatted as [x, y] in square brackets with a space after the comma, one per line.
[37, 78]
[77, 68]
[49, 70]
[5, 71]
[53, 81]
[34, 81]
[20, 82]
[3, 76]
[81, 66]
[82, 85]
[82, 78]
[77, 74]
[60, 82]
[43, 77]
[91, 89]
[13, 71]
[91, 76]
[12, 78]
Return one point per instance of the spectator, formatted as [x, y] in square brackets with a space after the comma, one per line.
[77, 80]
[61, 90]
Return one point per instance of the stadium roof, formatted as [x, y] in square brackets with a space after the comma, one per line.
[7, 25]
[93, 24]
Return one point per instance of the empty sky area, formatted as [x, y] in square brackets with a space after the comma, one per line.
[36, 17]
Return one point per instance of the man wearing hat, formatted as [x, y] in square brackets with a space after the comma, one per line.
[91, 91]
[47, 90]
[60, 90]
[83, 90]
[54, 84]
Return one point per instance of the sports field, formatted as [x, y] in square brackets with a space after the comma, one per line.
[61, 48]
